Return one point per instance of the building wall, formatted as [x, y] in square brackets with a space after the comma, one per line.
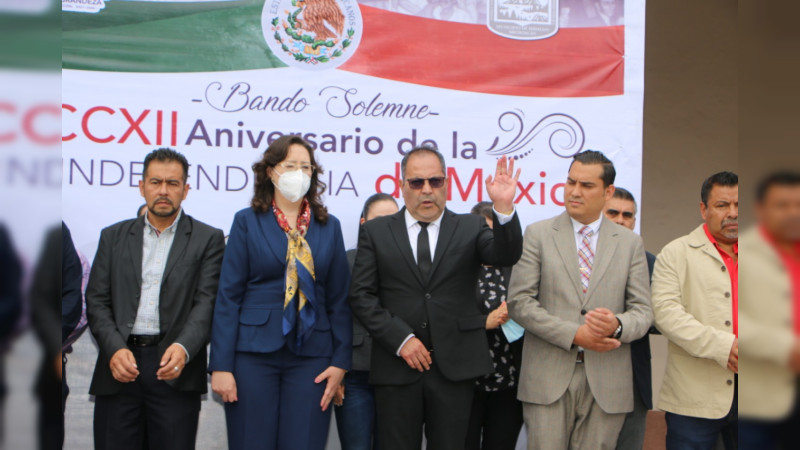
[691, 106]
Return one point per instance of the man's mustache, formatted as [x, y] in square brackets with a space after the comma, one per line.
[163, 199]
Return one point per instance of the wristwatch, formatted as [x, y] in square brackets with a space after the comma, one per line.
[618, 332]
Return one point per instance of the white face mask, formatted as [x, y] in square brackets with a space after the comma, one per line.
[294, 185]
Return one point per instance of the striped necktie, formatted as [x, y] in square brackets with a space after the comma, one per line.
[586, 256]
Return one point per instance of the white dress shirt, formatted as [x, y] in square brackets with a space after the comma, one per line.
[413, 227]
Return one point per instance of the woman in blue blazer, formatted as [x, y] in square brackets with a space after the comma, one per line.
[281, 339]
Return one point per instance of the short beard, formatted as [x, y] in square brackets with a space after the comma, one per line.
[170, 213]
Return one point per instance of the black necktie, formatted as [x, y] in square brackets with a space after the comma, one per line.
[424, 251]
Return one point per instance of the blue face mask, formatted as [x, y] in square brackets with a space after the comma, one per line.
[512, 330]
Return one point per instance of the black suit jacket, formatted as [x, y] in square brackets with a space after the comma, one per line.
[10, 285]
[389, 296]
[56, 291]
[640, 356]
[186, 302]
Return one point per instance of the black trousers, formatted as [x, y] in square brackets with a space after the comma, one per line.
[441, 405]
[169, 416]
[497, 416]
[51, 417]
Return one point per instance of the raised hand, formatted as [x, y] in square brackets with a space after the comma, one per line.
[503, 187]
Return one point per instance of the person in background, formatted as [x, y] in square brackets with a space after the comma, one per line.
[769, 317]
[496, 415]
[282, 332]
[621, 209]
[695, 300]
[608, 14]
[355, 417]
[55, 299]
[149, 303]
[10, 311]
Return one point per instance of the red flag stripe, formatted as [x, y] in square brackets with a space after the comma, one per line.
[576, 62]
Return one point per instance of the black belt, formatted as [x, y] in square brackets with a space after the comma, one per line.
[580, 356]
[143, 340]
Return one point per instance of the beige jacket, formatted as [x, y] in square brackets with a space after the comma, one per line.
[545, 296]
[691, 293]
[767, 390]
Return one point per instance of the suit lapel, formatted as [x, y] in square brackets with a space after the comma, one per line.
[447, 229]
[399, 231]
[179, 243]
[712, 251]
[274, 236]
[604, 254]
[565, 243]
[698, 239]
[136, 249]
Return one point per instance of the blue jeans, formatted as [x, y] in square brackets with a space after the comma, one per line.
[758, 435]
[696, 433]
[355, 419]
[771, 434]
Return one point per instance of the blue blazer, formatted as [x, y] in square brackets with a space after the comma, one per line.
[249, 310]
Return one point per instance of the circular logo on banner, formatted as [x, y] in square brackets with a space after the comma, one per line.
[312, 34]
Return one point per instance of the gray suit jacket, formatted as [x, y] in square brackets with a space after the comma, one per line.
[186, 304]
[546, 298]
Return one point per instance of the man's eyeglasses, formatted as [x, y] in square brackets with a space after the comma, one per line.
[418, 183]
[615, 213]
[291, 167]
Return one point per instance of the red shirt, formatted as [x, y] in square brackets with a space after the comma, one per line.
[792, 264]
[733, 269]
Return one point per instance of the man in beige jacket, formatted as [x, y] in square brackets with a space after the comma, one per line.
[580, 290]
[770, 317]
[694, 293]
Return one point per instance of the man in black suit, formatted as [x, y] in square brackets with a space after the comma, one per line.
[55, 299]
[413, 288]
[10, 309]
[621, 209]
[149, 303]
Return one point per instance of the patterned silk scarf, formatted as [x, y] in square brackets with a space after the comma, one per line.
[298, 302]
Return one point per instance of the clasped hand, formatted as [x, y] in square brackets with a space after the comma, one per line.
[595, 334]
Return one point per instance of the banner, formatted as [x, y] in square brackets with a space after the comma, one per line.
[363, 82]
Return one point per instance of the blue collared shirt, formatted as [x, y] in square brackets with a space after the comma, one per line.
[155, 251]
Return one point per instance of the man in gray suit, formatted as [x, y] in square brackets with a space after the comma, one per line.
[149, 303]
[581, 292]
